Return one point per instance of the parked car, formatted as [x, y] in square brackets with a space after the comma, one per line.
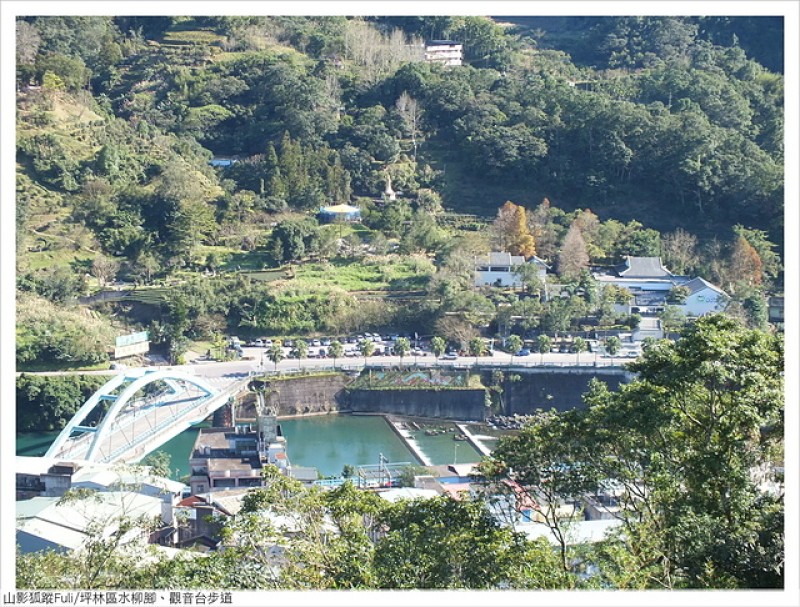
[259, 343]
[524, 352]
[326, 342]
[450, 356]
[316, 343]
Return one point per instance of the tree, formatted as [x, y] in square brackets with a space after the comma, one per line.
[409, 111]
[446, 543]
[543, 344]
[275, 353]
[770, 260]
[680, 251]
[402, 347]
[477, 347]
[545, 461]
[28, 41]
[366, 347]
[528, 274]
[746, 267]
[613, 345]
[438, 346]
[335, 351]
[301, 347]
[510, 231]
[455, 329]
[105, 269]
[672, 319]
[687, 445]
[678, 294]
[573, 256]
[514, 344]
[579, 345]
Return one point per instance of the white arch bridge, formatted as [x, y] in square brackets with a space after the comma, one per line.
[136, 412]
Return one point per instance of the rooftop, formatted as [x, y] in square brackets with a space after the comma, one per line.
[643, 267]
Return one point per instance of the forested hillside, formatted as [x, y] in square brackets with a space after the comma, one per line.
[659, 124]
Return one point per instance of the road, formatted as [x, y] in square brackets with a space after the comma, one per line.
[255, 360]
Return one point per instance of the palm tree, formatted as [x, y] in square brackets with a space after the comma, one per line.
[336, 350]
[301, 347]
[438, 346]
[514, 344]
[613, 344]
[476, 348]
[543, 344]
[579, 345]
[402, 347]
[366, 347]
[276, 353]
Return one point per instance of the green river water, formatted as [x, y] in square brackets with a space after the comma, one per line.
[326, 442]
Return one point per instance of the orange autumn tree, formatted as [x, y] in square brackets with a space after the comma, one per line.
[510, 231]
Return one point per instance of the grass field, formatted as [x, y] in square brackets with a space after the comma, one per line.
[380, 273]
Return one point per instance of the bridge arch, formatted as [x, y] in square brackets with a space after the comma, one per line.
[135, 380]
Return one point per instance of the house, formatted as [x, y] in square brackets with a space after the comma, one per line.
[498, 269]
[775, 310]
[49, 477]
[222, 161]
[650, 283]
[704, 298]
[49, 523]
[339, 213]
[445, 52]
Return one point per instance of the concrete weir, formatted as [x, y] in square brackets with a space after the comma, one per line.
[474, 440]
[409, 442]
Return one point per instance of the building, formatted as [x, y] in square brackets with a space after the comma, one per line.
[339, 213]
[223, 161]
[49, 477]
[445, 52]
[775, 310]
[228, 458]
[48, 523]
[498, 269]
[650, 283]
[703, 298]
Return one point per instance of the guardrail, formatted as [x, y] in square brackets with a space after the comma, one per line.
[461, 365]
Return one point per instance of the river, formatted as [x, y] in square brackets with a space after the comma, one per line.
[326, 442]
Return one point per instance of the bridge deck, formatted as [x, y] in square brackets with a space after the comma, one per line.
[146, 425]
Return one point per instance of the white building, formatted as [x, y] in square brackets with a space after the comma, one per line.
[446, 52]
[703, 298]
[498, 269]
[650, 283]
[48, 523]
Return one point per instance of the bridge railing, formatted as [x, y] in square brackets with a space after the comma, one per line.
[154, 431]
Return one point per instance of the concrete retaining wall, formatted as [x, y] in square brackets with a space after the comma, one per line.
[536, 389]
[301, 396]
[445, 404]
[559, 389]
